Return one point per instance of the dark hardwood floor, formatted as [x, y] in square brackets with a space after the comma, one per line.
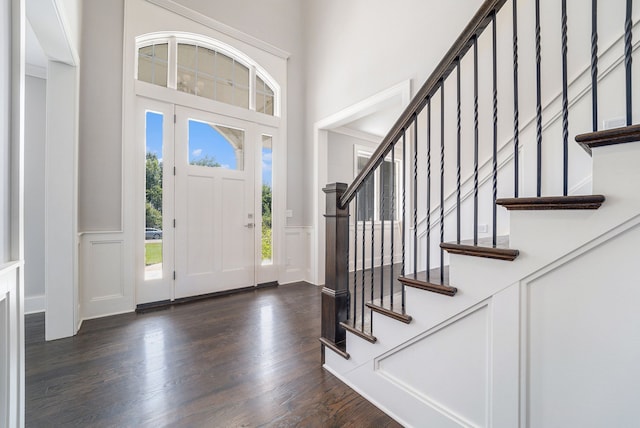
[244, 360]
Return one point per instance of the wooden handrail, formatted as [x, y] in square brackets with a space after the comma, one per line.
[462, 44]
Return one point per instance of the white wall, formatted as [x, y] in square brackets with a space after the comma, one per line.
[34, 152]
[358, 48]
[5, 130]
[100, 148]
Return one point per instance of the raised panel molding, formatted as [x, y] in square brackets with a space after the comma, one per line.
[447, 367]
[578, 338]
[296, 264]
[104, 290]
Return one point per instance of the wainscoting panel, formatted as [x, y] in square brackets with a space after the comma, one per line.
[576, 318]
[11, 346]
[297, 254]
[103, 288]
[447, 367]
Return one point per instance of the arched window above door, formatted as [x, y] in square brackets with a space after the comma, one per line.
[207, 68]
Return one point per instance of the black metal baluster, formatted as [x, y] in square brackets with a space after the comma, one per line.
[415, 196]
[404, 198]
[627, 59]
[428, 266]
[594, 63]
[373, 231]
[381, 232]
[565, 105]
[355, 260]
[538, 103]
[364, 228]
[495, 130]
[458, 161]
[441, 180]
[475, 141]
[516, 113]
[393, 217]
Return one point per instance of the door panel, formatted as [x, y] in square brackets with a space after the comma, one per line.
[234, 256]
[214, 203]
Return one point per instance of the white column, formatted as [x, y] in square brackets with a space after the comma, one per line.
[61, 202]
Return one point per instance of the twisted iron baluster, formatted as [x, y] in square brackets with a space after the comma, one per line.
[538, 103]
[415, 196]
[594, 63]
[627, 59]
[565, 104]
[362, 305]
[404, 197]
[475, 141]
[428, 189]
[458, 160]
[495, 130]
[381, 232]
[355, 260]
[516, 113]
[393, 215]
[441, 180]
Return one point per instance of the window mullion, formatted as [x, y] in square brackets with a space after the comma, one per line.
[252, 88]
[172, 66]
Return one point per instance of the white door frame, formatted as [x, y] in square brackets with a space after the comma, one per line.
[320, 142]
[263, 274]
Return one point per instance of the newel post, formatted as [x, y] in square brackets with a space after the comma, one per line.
[335, 293]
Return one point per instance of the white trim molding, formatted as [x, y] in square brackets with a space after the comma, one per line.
[320, 141]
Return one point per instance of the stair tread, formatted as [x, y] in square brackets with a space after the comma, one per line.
[575, 202]
[362, 330]
[431, 282]
[394, 311]
[484, 248]
[608, 137]
[338, 348]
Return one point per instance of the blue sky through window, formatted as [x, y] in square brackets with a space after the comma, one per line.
[153, 134]
[207, 143]
[266, 166]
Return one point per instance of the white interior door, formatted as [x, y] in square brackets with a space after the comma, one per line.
[214, 211]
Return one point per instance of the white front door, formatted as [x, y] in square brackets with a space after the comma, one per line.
[214, 203]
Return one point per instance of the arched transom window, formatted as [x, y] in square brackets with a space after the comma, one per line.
[206, 68]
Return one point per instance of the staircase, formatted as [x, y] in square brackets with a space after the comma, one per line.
[535, 327]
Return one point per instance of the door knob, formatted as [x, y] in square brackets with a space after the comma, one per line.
[249, 225]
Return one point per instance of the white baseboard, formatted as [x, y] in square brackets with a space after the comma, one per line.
[34, 304]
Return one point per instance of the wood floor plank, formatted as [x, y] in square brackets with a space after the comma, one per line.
[247, 360]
